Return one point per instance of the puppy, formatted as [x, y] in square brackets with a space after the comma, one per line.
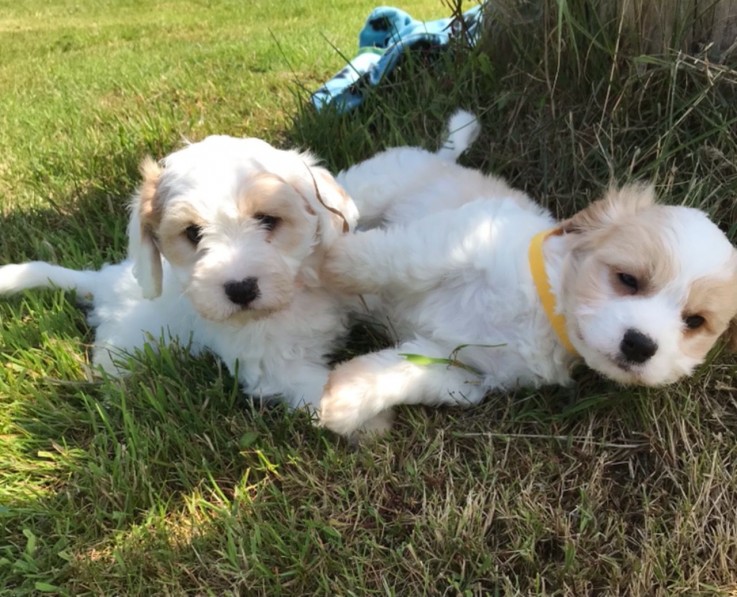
[473, 274]
[225, 241]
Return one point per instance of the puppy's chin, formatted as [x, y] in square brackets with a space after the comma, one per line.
[660, 371]
[630, 375]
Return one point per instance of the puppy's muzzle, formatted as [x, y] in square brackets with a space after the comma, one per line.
[636, 347]
[242, 292]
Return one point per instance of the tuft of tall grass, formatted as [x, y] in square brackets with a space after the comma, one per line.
[560, 89]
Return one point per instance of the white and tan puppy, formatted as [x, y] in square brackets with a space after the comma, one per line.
[473, 272]
[226, 238]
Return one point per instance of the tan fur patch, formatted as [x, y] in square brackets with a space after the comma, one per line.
[615, 205]
[714, 299]
[615, 233]
[171, 233]
[270, 195]
[148, 258]
[340, 222]
[150, 209]
[630, 244]
[637, 250]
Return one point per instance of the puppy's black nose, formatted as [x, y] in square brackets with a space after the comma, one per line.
[242, 292]
[637, 347]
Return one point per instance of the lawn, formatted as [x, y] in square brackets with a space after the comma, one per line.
[171, 482]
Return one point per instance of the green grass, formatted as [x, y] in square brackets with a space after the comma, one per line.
[171, 482]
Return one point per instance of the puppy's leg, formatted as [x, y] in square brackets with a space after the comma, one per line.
[412, 258]
[361, 392]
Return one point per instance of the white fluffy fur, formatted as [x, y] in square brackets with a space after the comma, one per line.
[448, 257]
[278, 342]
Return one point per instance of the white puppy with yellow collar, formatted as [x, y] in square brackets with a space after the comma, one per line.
[484, 282]
[226, 238]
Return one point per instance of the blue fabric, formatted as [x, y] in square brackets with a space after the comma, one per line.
[387, 34]
[382, 25]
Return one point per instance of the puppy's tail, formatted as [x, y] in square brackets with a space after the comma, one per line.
[463, 129]
[39, 274]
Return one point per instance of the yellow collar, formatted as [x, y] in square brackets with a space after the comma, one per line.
[540, 277]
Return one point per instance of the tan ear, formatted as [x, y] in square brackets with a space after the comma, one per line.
[142, 248]
[336, 211]
[616, 204]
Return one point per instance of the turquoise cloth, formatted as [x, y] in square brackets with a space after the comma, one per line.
[387, 34]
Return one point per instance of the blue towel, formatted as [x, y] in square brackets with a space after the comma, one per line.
[387, 34]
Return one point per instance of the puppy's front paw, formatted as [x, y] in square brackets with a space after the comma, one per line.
[347, 403]
[340, 408]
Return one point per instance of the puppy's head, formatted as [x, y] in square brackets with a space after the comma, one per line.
[647, 288]
[242, 225]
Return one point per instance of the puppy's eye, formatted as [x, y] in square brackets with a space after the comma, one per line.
[193, 234]
[267, 222]
[629, 282]
[693, 322]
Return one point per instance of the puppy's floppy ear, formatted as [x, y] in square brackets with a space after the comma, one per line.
[615, 205]
[142, 248]
[337, 213]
